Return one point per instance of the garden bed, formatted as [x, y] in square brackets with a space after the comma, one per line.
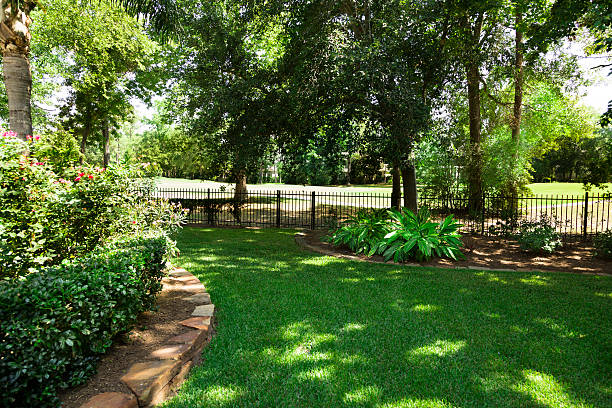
[150, 333]
[492, 253]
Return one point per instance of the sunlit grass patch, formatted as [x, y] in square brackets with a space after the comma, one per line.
[297, 329]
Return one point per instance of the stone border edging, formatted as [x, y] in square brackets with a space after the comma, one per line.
[155, 379]
[302, 243]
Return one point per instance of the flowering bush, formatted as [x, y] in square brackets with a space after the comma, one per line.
[48, 213]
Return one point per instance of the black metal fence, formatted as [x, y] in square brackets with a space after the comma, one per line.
[573, 216]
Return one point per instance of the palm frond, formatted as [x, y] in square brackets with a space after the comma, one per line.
[163, 16]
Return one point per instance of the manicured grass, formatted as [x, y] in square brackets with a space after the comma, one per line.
[298, 329]
[565, 189]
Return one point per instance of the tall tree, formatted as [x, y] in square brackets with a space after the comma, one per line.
[100, 46]
[227, 81]
[15, 38]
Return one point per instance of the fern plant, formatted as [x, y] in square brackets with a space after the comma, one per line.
[416, 237]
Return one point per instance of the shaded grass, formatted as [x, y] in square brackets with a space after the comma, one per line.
[303, 330]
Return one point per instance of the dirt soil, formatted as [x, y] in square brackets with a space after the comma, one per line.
[151, 331]
[495, 253]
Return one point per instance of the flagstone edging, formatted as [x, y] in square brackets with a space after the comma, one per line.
[156, 378]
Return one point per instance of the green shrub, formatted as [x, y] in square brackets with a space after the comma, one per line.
[538, 236]
[416, 237]
[56, 322]
[603, 245]
[49, 214]
[363, 231]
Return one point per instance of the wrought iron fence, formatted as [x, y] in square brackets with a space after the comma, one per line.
[573, 215]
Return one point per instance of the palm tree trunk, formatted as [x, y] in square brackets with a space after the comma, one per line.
[18, 82]
[15, 47]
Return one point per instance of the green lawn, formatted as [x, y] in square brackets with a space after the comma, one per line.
[565, 189]
[298, 329]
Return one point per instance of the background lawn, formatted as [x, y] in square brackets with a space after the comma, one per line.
[536, 188]
[303, 330]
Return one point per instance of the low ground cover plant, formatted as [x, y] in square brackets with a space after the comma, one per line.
[400, 235]
[538, 236]
[602, 244]
[56, 322]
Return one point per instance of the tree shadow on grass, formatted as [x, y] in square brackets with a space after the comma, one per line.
[304, 330]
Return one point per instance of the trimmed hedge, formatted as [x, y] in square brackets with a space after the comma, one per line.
[56, 322]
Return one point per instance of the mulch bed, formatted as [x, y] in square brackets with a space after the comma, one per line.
[151, 331]
[494, 253]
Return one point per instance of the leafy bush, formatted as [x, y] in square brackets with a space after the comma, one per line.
[48, 214]
[538, 236]
[603, 245]
[57, 321]
[363, 231]
[416, 237]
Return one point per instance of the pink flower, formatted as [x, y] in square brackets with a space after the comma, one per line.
[29, 137]
[77, 179]
[39, 163]
[89, 176]
[36, 137]
[133, 222]
[81, 174]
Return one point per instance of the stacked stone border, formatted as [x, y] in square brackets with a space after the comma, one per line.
[156, 378]
[300, 240]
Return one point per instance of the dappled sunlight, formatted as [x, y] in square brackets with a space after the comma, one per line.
[316, 374]
[352, 327]
[425, 308]
[322, 260]
[223, 394]
[547, 391]
[492, 277]
[416, 403]
[604, 295]
[362, 395]
[537, 280]
[439, 348]
[295, 330]
[214, 395]
[559, 328]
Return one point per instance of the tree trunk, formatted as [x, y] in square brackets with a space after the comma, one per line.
[475, 152]
[396, 193]
[18, 82]
[241, 186]
[410, 187]
[518, 94]
[15, 47]
[86, 131]
[348, 173]
[106, 136]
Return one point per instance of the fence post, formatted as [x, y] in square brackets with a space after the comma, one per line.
[312, 211]
[278, 208]
[482, 215]
[585, 214]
